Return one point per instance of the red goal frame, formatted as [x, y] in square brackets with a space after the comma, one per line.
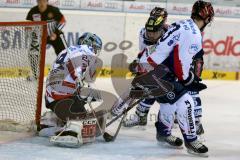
[42, 60]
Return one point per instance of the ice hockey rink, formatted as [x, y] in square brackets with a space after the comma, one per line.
[221, 100]
[221, 122]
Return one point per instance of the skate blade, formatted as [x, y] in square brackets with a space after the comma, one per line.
[204, 155]
[65, 141]
[166, 145]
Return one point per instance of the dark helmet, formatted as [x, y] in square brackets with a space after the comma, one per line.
[91, 40]
[202, 10]
[155, 24]
[158, 11]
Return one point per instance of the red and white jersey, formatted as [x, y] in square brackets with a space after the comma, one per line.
[176, 48]
[75, 62]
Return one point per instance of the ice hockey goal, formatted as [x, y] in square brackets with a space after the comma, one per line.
[22, 59]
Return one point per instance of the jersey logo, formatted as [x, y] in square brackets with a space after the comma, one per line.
[36, 17]
[174, 39]
[171, 95]
[50, 15]
[151, 49]
[193, 49]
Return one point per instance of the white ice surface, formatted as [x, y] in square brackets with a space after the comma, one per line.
[221, 119]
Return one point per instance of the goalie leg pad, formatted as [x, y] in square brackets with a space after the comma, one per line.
[70, 136]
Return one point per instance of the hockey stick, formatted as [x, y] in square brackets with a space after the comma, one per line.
[63, 41]
[125, 111]
[89, 99]
[131, 105]
[106, 136]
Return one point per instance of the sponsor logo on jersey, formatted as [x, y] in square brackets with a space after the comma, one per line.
[190, 118]
[198, 113]
[174, 39]
[36, 17]
[193, 49]
[151, 49]
[170, 95]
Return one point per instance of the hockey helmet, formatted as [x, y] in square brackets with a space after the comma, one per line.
[203, 10]
[91, 40]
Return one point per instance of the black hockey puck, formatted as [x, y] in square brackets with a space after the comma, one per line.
[107, 137]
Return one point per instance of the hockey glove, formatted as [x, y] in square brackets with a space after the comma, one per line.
[193, 83]
[133, 66]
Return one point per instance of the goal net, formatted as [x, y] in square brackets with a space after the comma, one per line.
[22, 59]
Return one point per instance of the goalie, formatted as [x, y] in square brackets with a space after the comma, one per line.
[71, 123]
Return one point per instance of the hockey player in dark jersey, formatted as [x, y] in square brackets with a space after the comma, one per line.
[55, 23]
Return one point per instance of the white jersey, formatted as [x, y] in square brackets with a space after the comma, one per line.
[142, 44]
[75, 62]
[176, 48]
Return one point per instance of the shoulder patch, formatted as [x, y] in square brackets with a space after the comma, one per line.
[193, 49]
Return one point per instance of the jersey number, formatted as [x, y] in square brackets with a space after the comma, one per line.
[174, 28]
[61, 58]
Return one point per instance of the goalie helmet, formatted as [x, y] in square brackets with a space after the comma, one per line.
[91, 40]
[202, 10]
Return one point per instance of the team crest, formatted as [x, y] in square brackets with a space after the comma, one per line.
[50, 15]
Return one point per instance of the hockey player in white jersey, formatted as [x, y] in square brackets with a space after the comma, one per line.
[154, 29]
[66, 95]
[146, 39]
[177, 49]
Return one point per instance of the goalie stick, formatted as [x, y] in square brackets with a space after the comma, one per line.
[107, 137]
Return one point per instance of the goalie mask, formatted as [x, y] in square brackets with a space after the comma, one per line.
[91, 40]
